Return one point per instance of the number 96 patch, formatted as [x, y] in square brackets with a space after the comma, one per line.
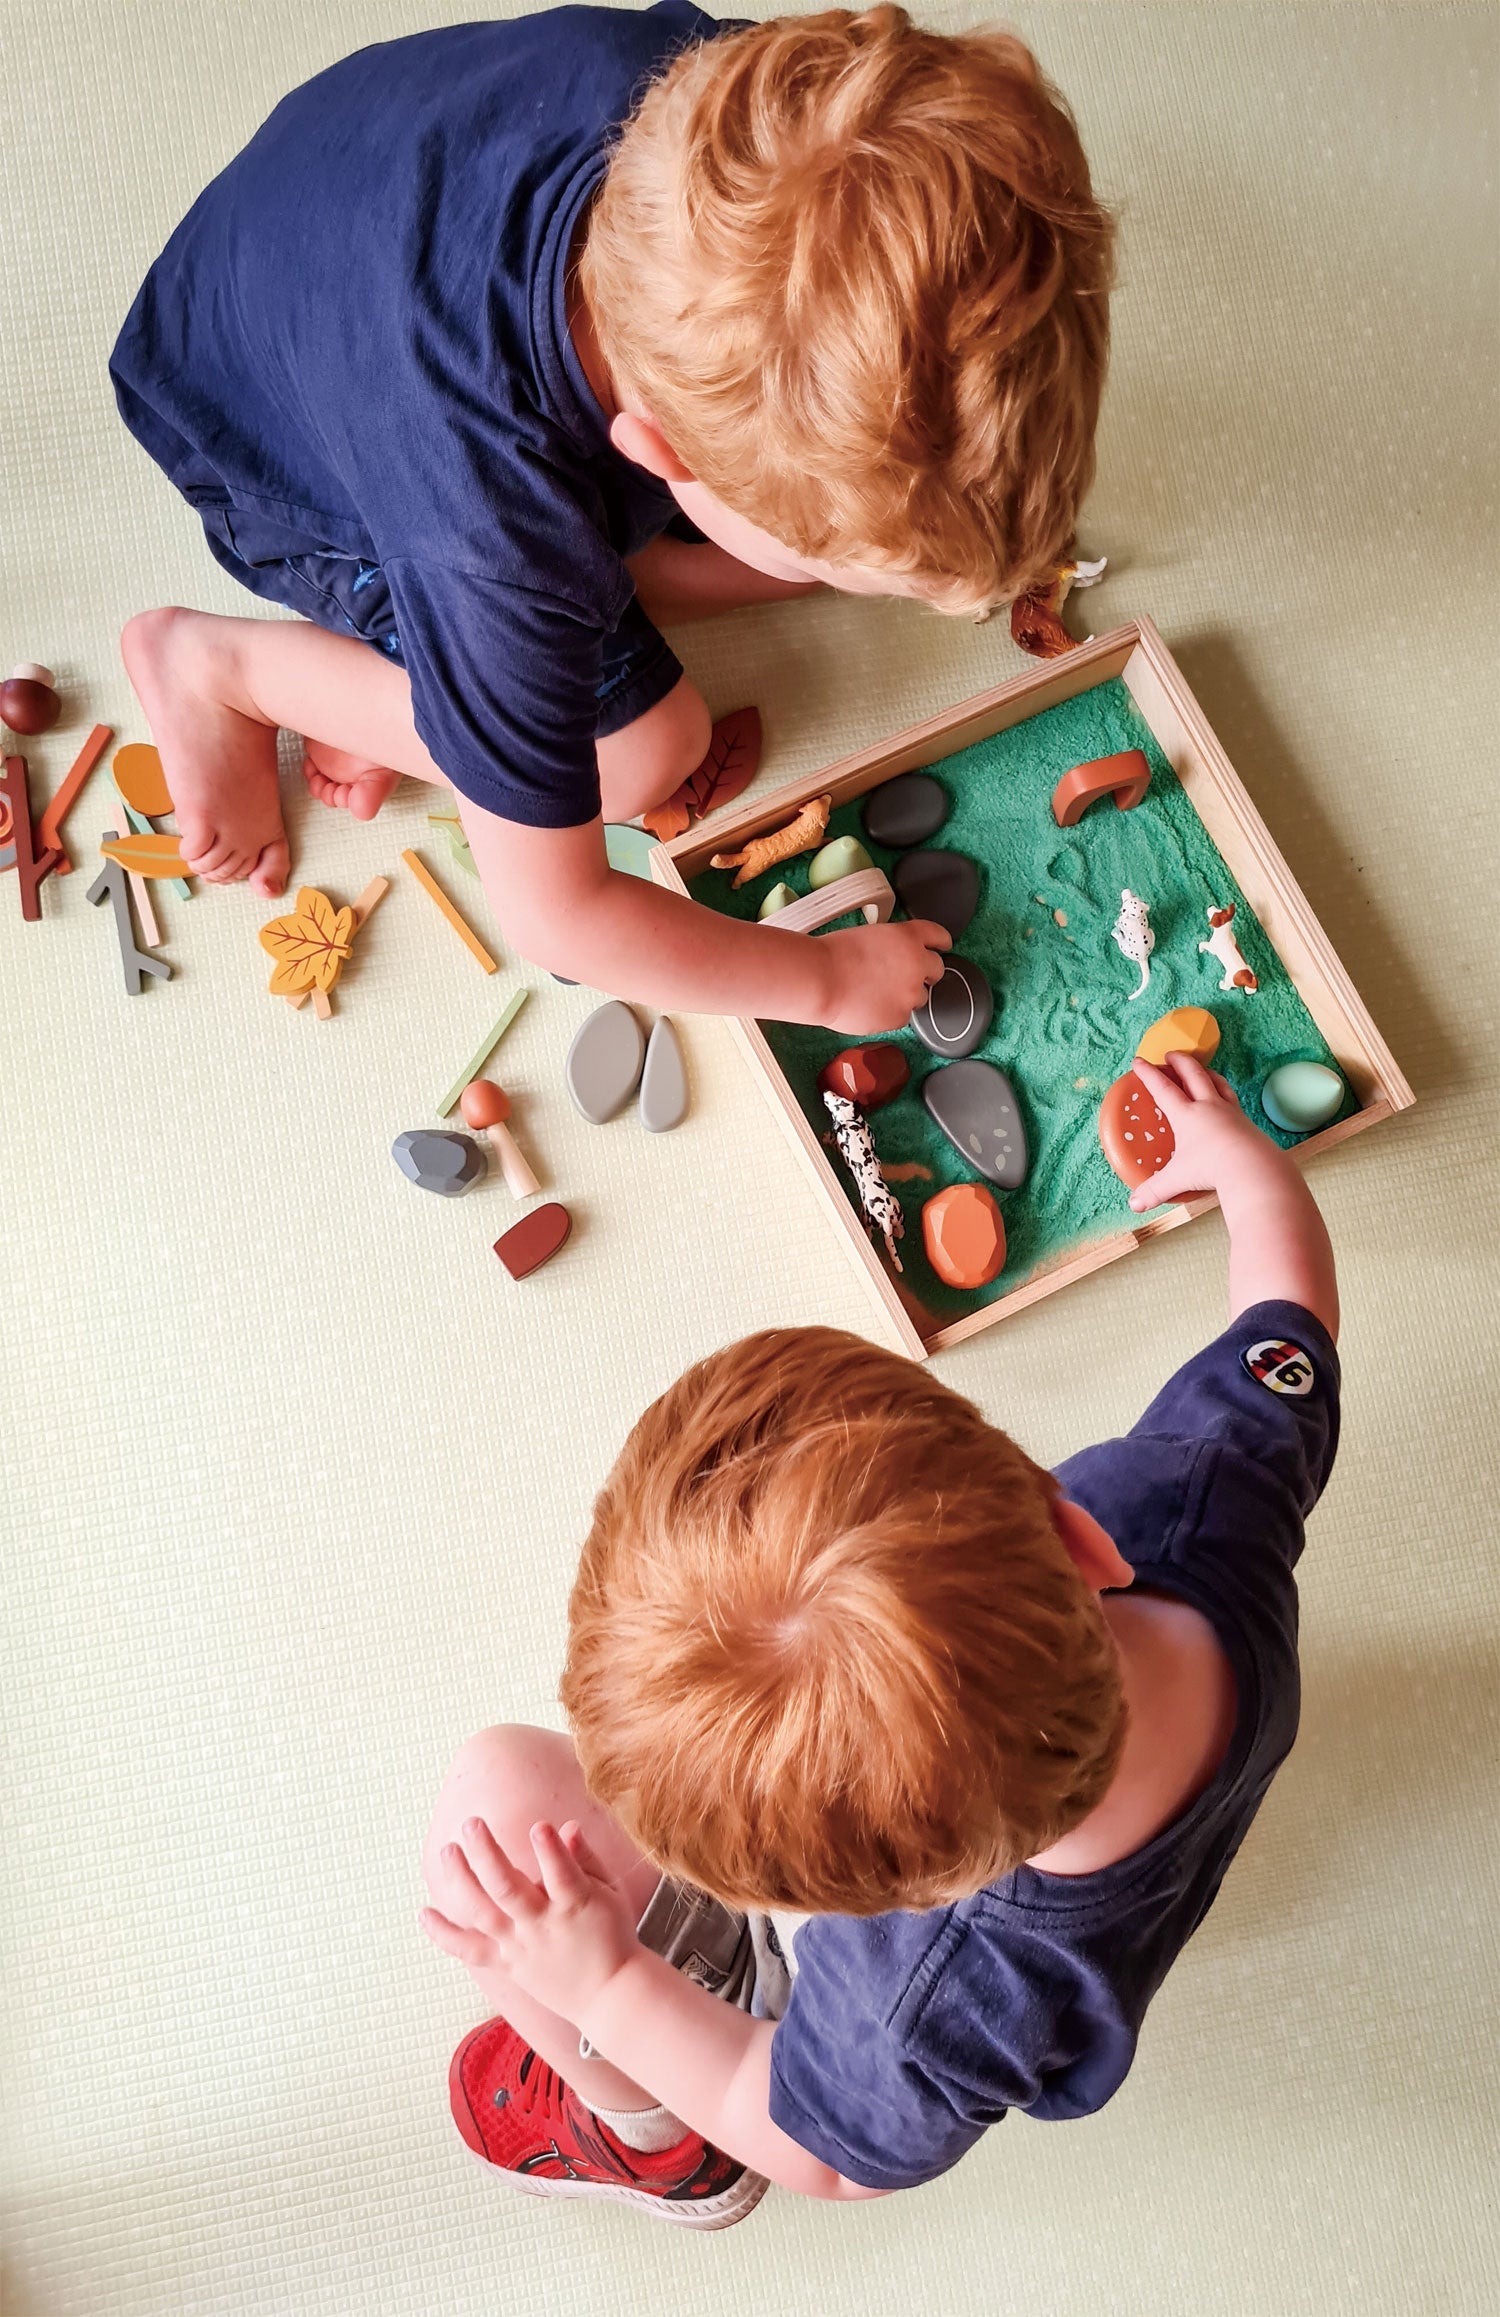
[1281, 1366]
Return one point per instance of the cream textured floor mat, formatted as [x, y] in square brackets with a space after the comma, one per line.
[293, 1478]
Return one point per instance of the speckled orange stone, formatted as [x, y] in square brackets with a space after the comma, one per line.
[1133, 1134]
[964, 1233]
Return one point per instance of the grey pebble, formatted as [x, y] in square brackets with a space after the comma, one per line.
[604, 1061]
[959, 1009]
[449, 1164]
[664, 1089]
[975, 1105]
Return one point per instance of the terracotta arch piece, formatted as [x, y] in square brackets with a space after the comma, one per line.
[1125, 777]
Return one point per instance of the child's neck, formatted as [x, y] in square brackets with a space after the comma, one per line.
[583, 334]
[1181, 1704]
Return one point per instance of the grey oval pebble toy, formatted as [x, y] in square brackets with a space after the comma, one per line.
[906, 811]
[958, 1012]
[975, 1105]
[664, 1090]
[604, 1062]
[449, 1164]
[944, 886]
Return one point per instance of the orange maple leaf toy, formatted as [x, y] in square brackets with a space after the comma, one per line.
[311, 945]
[731, 764]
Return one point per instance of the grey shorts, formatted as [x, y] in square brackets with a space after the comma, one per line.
[743, 1959]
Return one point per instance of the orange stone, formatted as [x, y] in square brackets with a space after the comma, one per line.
[1134, 1135]
[964, 1234]
[1186, 1030]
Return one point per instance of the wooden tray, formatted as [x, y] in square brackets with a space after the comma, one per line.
[1137, 655]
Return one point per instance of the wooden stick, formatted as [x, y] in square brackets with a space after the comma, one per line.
[50, 827]
[461, 927]
[113, 884]
[322, 1005]
[31, 867]
[492, 1040]
[149, 923]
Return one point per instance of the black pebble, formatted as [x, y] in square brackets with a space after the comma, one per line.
[944, 886]
[905, 811]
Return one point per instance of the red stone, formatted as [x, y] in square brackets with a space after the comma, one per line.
[28, 707]
[527, 1245]
[868, 1075]
[964, 1234]
[1134, 1135]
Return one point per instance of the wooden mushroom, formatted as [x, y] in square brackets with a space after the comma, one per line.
[486, 1107]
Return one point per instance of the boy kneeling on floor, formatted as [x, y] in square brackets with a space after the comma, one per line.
[838, 1647]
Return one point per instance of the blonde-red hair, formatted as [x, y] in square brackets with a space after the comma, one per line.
[857, 274]
[826, 1649]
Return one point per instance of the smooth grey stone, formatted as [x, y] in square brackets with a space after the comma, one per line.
[449, 1164]
[975, 1105]
[604, 1061]
[664, 1088]
[944, 886]
[905, 811]
[958, 1012]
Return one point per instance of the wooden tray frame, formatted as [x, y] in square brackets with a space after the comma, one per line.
[1161, 693]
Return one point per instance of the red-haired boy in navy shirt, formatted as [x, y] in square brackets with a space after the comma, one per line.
[499, 344]
[837, 1646]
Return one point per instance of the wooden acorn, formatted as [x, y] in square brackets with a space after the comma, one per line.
[28, 700]
[486, 1107]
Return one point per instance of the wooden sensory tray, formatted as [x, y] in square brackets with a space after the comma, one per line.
[1137, 655]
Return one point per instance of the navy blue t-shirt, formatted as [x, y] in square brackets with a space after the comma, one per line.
[907, 2034]
[355, 345]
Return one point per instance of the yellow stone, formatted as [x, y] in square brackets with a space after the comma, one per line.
[1186, 1030]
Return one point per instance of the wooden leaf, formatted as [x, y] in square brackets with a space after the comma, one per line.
[732, 761]
[140, 779]
[668, 820]
[148, 856]
[290, 976]
[731, 764]
[309, 945]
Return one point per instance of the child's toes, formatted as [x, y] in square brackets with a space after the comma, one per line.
[368, 794]
[269, 874]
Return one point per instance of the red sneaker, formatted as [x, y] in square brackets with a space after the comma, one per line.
[518, 2115]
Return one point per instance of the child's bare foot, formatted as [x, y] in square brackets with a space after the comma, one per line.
[339, 779]
[220, 763]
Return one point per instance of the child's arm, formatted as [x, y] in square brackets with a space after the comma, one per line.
[563, 907]
[570, 1944]
[1279, 1249]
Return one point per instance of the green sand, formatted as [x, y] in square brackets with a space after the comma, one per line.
[1064, 1026]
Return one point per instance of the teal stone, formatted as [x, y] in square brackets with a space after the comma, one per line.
[779, 897]
[1299, 1097]
[843, 858]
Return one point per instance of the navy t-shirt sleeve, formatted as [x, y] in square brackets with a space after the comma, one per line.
[504, 691]
[844, 2085]
[1266, 1392]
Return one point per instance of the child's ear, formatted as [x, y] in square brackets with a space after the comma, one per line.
[1090, 1548]
[637, 437]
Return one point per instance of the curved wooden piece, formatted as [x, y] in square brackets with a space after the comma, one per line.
[868, 890]
[1125, 777]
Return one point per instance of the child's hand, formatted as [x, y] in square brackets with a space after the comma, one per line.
[561, 1941]
[1218, 1149]
[880, 974]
